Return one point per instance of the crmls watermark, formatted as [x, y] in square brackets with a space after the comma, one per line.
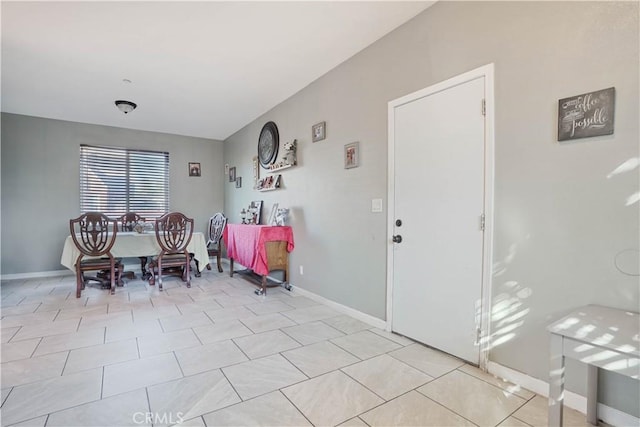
[156, 418]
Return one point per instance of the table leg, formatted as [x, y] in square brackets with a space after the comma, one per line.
[592, 394]
[556, 381]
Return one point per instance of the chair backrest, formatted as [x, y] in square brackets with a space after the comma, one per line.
[93, 233]
[216, 226]
[129, 220]
[173, 232]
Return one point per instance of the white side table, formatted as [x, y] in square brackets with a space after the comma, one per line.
[601, 337]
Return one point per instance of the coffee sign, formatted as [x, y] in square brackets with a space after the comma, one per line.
[586, 115]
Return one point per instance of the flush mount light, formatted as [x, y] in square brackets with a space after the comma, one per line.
[125, 106]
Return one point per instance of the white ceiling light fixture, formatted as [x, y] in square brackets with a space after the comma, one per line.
[126, 106]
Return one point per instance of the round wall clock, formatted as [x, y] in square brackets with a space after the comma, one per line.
[268, 143]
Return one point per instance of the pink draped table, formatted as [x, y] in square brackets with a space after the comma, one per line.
[246, 244]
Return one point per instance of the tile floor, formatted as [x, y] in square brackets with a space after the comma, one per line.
[219, 355]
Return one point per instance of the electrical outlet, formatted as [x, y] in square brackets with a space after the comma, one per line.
[301, 270]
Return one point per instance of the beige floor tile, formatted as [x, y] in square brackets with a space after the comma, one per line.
[128, 376]
[365, 344]
[222, 330]
[312, 332]
[137, 329]
[150, 345]
[268, 307]
[5, 393]
[386, 376]
[34, 422]
[393, 337]
[513, 422]
[341, 398]
[346, 324]
[104, 320]
[19, 309]
[413, 409]
[267, 322]
[28, 319]
[429, 361]
[234, 301]
[193, 422]
[7, 333]
[199, 306]
[192, 396]
[185, 321]
[74, 313]
[26, 371]
[535, 413]
[319, 358]
[45, 329]
[164, 298]
[266, 343]
[311, 314]
[256, 377]
[354, 422]
[299, 301]
[101, 355]
[156, 312]
[498, 382]
[474, 399]
[229, 313]
[209, 356]
[44, 397]
[64, 342]
[126, 409]
[18, 350]
[270, 410]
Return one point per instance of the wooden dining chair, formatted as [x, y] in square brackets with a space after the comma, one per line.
[127, 222]
[94, 234]
[214, 245]
[173, 233]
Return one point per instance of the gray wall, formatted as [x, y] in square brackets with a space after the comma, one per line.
[560, 217]
[40, 182]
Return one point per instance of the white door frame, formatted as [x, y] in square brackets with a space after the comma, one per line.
[485, 310]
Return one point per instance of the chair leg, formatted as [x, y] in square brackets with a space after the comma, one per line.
[219, 264]
[188, 274]
[79, 282]
[113, 279]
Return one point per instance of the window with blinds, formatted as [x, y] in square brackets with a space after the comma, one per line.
[115, 181]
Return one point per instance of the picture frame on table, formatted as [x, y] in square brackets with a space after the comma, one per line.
[272, 215]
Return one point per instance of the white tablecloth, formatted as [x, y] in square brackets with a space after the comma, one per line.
[132, 244]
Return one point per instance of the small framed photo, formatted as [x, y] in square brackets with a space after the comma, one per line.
[318, 132]
[194, 169]
[352, 155]
[232, 174]
[239, 182]
[226, 168]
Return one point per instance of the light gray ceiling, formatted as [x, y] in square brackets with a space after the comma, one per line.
[202, 69]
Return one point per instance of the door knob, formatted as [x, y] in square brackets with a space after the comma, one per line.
[397, 239]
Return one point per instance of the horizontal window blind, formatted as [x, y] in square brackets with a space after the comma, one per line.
[115, 181]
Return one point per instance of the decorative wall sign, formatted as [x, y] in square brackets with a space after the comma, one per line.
[586, 115]
[319, 131]
[194, 169]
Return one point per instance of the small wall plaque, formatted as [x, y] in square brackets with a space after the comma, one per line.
[586, 115]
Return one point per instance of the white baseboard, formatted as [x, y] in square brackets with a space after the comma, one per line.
[363, 317]
[573, 400]
[38, 274]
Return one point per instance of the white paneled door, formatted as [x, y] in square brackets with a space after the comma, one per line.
[438, 151]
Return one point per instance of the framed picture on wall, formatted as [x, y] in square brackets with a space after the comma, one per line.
[239, 182]
[194, 169]
[318, 132]
[232, 174]
[351, 155]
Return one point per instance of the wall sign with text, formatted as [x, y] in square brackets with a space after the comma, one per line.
[589, 114]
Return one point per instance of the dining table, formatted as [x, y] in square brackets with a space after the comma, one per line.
[130, 244]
